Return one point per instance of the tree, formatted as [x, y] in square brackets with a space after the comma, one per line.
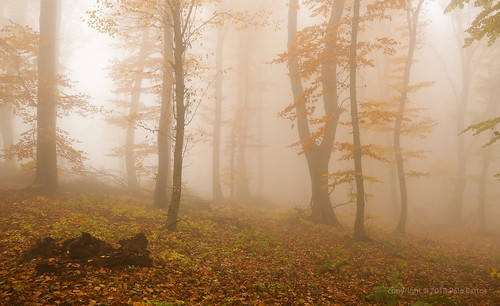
[412, 14]
[486, 24]
[359, 222]
[164, 134]
[316, 146]
[216, 182]
[46, 175]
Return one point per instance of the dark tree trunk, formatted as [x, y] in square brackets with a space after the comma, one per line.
[46, 175]
[216, 184]
[317, 156]
[164, 147]
[412, 29]
[493, 103]
[359, 222]
[178, 66]
[130, 166]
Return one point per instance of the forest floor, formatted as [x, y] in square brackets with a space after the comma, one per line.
[233, 254]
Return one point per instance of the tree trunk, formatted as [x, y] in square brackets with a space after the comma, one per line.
[359, 223]
[216, 184]
[130, 167]
[317, 156]
[412, 29]
[178, 65]
[493, 103]
[46, 175]
[7, 131]
[164, 151]
[242, 190]
[466, 55]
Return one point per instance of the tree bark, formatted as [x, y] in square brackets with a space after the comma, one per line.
[359, 223]
[178, 66]
[164, 146]
[412, 29]
[130, 166]
[317, 156]
[46, 175]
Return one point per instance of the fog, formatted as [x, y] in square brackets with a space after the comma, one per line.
[256, 150]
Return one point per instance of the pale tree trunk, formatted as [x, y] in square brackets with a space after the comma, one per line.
[260, 145]
[359, 222]
[178, 66]
[412, 29]
[7, 131]
[317, 156]
[466, 55]
[216, 183]
[130, 166]
[46, 175]
[164, 146]
[241, 190]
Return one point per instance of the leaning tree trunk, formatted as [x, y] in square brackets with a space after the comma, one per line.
[46, 175]
[317, 155]
[130, 167]
[359, 223]
[412, 29]
[164, 151]
[178, 66]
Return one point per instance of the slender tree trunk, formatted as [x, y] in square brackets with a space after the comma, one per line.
[412, 29]
[130, 167]
[164, 151]
[7, 131]
[359, 223]
[260, 145]
[466, 55]
[317, 156]
[232, 162]
[242, 191]
[46, 175]
[483, 179]
[179, 48]
[216, 184]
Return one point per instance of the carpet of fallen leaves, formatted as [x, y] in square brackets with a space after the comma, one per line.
[239, 255]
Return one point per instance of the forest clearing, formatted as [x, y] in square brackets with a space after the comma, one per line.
[235, 254]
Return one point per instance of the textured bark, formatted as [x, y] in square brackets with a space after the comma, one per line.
[317, 155]
[178, 66]
[164, 145]
[46, 175]
[216, 183]
[130, 167]
[412, 29]
[359, 222]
